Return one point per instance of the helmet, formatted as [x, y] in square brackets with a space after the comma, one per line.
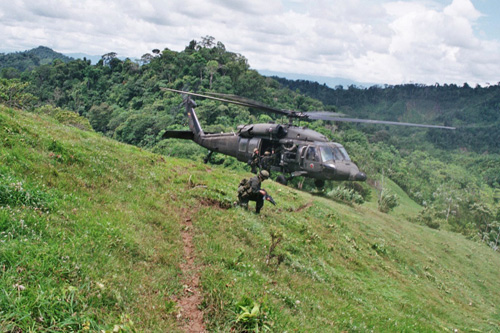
[264, 174]
[267, 153]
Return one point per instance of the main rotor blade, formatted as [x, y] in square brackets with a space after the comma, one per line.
[319, 115]
[371, 121]
[233, 99]
[257, 104]
[251, 103]
[322, 115]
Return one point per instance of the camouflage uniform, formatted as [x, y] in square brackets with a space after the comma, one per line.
[267, 161]
[250, 191]
[254, 161]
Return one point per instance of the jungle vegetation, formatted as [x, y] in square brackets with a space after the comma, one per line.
[453, 175]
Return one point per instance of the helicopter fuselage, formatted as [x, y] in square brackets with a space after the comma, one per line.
[296, 151]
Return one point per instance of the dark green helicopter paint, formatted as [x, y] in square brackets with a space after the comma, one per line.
[298, 151]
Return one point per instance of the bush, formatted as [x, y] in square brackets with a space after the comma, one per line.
[66, 117]
[346, 195]
[13, 94]
[251, 316]
[387, 201]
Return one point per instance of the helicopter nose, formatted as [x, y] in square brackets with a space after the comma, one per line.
[360, 176]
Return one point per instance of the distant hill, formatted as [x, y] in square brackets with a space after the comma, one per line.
[332, 82]
[93, 58]
[28, 60]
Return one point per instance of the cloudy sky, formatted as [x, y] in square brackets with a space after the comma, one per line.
[377, 41]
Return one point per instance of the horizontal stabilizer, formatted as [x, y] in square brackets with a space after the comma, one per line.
[187, 135]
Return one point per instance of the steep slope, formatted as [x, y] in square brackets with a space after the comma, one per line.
[100, 235]
[89, 237]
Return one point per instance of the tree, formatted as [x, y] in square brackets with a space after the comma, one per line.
[13, 94]
[99, 117]
[146, 58]
[108, 57]
[10, 73]
[207, 41]
[211, 68]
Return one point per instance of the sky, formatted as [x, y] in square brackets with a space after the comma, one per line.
[376, 41]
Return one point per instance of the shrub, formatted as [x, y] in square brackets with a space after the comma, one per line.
[346, 195]
[66, 117]
[387, 201]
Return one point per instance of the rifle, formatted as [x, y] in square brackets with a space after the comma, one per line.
[269, 198]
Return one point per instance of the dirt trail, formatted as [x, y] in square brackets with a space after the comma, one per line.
[190, 316]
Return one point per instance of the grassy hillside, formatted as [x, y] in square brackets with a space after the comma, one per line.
[93, 236]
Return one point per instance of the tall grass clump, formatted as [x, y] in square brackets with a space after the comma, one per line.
[15, 192]
[344, 194]
[387, 201]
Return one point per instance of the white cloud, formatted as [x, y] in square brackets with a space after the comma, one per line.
[366, 40]
[462, 8]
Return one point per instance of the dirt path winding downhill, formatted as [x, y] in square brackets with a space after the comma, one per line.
[190, 316]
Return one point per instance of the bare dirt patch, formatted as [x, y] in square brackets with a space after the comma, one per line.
[215, 203]
[190, 316]
[301, 208]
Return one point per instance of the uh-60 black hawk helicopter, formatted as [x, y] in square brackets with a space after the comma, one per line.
[297, 151]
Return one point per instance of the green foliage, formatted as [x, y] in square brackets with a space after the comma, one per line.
[181, 149]
[387, 201]
[99, 117]
[65, 117]
[13, 93]
[429, 218]
[344, 194]
[251, 317]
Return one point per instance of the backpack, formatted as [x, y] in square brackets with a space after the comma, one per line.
[243, 187]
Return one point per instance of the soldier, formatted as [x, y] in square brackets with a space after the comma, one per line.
[266, 161]
[250, 191]
[254, 161]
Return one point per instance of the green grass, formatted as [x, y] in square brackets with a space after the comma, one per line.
[85, 241]
[90, 239]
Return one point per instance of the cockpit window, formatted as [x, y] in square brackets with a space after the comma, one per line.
[344, 152]
[326, 154]
[334, 153]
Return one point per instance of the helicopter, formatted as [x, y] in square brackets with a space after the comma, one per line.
[295, 151]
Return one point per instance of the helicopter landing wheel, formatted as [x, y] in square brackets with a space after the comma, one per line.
[282, 180]
[320, 183]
